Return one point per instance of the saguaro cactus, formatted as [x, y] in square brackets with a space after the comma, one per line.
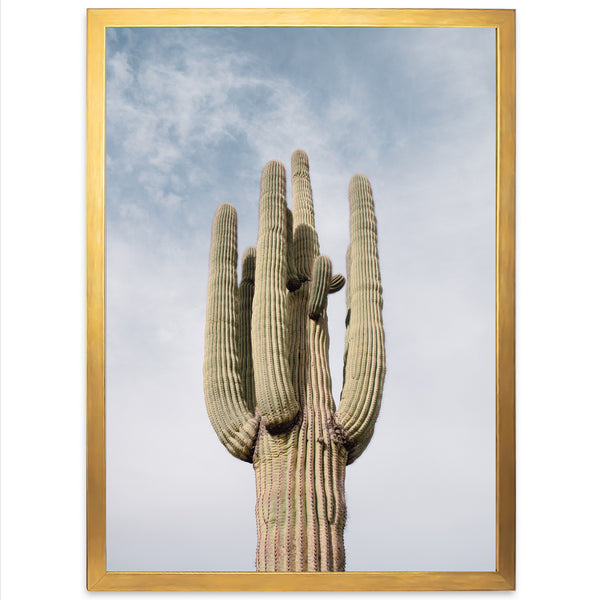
[267, 382]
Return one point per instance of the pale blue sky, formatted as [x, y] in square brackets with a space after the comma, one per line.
[193, 114]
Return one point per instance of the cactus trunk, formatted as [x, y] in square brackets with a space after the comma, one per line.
[300, 507]
[266, 370]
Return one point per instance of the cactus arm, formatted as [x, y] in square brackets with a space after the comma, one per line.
[303, 207]
[275, 397]
[294, 281]
[306, 243]
[321, 276]
[245, 298]
[337, 283]
[365, 361]
[235, 424]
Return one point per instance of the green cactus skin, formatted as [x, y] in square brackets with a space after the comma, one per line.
[267, 382]
[321, 277]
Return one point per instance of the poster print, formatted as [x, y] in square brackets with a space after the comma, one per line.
[193, 115]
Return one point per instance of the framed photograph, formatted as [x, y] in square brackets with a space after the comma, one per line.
[300, 287]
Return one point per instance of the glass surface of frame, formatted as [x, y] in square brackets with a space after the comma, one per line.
[184, 109]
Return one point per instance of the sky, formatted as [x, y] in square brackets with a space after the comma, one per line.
[192, 116]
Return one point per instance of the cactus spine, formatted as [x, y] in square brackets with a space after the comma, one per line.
[267, 382]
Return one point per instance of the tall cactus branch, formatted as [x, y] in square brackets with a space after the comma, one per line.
[306, 243]
[321, 278]
[275, 396]
[266, 371]
[245, 299]
[365, 362]
[230, 414]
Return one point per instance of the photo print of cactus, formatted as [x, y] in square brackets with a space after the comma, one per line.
[276, 200]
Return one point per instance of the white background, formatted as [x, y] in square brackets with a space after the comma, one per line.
[43, 297]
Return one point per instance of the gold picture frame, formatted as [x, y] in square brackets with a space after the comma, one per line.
[503, 577]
